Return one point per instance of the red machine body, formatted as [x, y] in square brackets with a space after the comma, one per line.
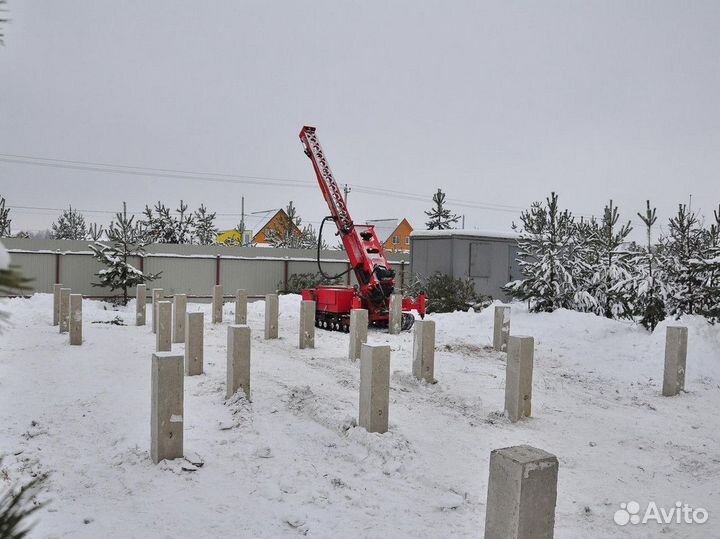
[376, 280]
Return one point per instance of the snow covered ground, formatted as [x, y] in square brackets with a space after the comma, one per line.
[293, 463]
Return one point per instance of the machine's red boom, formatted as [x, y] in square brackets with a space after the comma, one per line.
[376, 280]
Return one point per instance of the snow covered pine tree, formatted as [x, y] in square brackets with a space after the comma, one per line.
[646, 287]
[612, 269]
[160, 226]
[544, 255]
[705, 270]
[127, 241]
[69, 226]
[685, 243]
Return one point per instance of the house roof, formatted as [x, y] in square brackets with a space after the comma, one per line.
[258, 220]
[384, 227]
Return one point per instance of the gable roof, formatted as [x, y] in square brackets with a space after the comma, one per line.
[384, 227]
[258, 220]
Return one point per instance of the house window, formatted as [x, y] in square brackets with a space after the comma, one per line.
[407, 240]
[396, 240]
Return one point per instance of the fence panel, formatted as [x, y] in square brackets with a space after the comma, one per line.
[182, 275]
[258, 276]
[187, 269]
[40, 267]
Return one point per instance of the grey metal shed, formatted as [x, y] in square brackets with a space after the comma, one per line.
[488, 258]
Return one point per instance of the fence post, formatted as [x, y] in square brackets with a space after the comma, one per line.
[286, 270]
[57, 267]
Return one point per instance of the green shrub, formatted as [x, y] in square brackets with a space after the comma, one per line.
[447, 294]
[298, 281]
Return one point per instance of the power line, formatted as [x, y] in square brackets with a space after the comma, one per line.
[130, 168]
[166, 173]
[221, 178]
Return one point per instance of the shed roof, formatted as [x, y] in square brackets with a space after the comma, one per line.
[494, 234]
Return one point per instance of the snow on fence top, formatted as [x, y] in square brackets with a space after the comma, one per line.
[466, 233]
[71, 247]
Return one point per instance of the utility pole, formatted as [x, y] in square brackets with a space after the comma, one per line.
[346, 190]
[463, 222]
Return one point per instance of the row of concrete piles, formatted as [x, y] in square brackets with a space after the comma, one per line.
[522, 487]
[67, 313]
[520, 358]
[171, 323]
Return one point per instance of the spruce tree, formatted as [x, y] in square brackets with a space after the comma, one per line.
[17, 506]
[126, 240]
[684, 243]
[95, 232]
[310, 238]
[69, 226]
[159, 225]
[545, 257]
[162, 226]
[705, 270]
[5, 221]
[612, 270]
[440, 218]
[205, 230]
[646, 287]
[185, 225]
[583, 258]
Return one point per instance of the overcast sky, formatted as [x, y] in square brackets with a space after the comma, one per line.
[497, 103]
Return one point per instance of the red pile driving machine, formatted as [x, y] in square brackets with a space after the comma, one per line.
[376, 280]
